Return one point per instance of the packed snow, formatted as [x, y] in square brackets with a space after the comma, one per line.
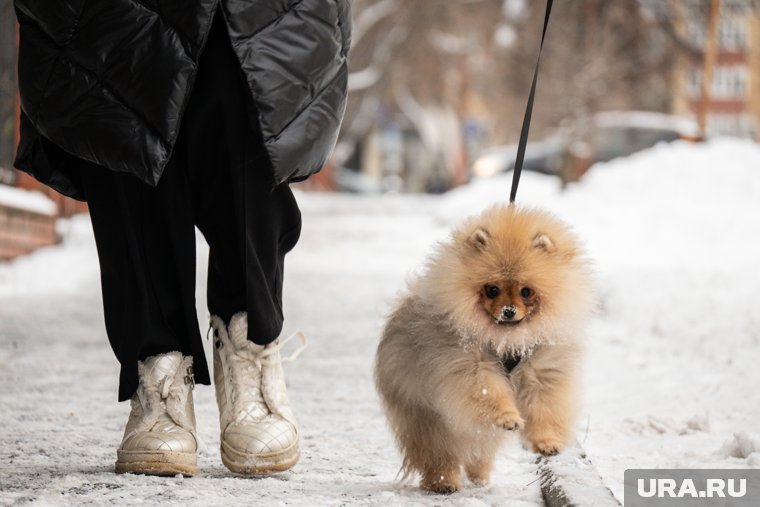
[670, 377]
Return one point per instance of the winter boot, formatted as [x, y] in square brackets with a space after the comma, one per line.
[160, 437]
[259, 434]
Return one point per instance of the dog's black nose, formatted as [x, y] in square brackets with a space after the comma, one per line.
[509, 312]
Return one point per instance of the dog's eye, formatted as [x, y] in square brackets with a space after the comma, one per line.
[492, 291]
[526, 292]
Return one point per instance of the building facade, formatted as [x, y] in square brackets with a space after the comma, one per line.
[734, 104]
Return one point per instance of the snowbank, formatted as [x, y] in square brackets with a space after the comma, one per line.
[677, 204]
[28, 200]
[671, 371]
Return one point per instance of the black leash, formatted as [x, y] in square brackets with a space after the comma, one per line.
[528, 113]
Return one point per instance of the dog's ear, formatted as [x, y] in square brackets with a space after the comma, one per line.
[479, 239]
[543, 242]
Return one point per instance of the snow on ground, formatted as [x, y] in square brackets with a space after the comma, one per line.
[61, 424]
[671, 377]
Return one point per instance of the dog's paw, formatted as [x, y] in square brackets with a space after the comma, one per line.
[445, 482]
[442, 488]
[509, 420]
[479, 473]
[548, 446]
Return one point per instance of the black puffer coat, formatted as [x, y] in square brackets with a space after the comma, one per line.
[108, 81]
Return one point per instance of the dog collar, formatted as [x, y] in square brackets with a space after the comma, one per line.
[510, 361]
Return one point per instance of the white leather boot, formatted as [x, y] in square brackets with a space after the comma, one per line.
[160, 436]
[259, 434]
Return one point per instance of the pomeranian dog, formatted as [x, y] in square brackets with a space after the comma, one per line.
[486, 341]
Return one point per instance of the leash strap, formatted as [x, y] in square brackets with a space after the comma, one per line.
[528, 113]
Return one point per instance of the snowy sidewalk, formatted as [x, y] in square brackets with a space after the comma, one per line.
[61, 424]
[670, 380]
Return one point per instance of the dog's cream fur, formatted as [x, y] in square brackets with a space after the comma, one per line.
[438, 367]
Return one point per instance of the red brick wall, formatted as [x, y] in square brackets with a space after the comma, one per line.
[23, 231]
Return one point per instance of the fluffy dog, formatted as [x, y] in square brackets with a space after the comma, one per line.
[486, 341]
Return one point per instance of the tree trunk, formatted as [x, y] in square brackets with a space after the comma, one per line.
[711, 49]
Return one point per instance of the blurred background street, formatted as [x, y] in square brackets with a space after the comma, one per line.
[656, 168]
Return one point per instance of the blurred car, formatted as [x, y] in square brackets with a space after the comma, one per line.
[612, 134]
[622, 133]
[540, 156]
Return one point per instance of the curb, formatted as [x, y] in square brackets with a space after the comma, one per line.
[571, 480]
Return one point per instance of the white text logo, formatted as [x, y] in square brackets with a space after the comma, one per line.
[715, 488]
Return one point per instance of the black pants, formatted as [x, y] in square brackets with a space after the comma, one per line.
[218, 178]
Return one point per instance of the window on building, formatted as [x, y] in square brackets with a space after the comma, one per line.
[729, 82]
[732, 33]
[695, 33]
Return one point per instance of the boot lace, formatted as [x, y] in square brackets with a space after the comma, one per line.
[244, 368]
[165, 396]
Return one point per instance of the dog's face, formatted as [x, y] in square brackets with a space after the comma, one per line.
[508, 278]
[509, 302]
[510, 295]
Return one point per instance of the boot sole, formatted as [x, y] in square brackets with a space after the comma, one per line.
[156, 463]
[260, 464]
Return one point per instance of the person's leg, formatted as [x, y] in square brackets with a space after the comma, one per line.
[249, 235]
[249, 225]
[146, 247]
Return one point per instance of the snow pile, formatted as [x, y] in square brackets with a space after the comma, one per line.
[743, 445]
[676, 204]
[28, 200]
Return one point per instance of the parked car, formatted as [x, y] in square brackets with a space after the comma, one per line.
[622, 133]
[540, 156]
[612, 134]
